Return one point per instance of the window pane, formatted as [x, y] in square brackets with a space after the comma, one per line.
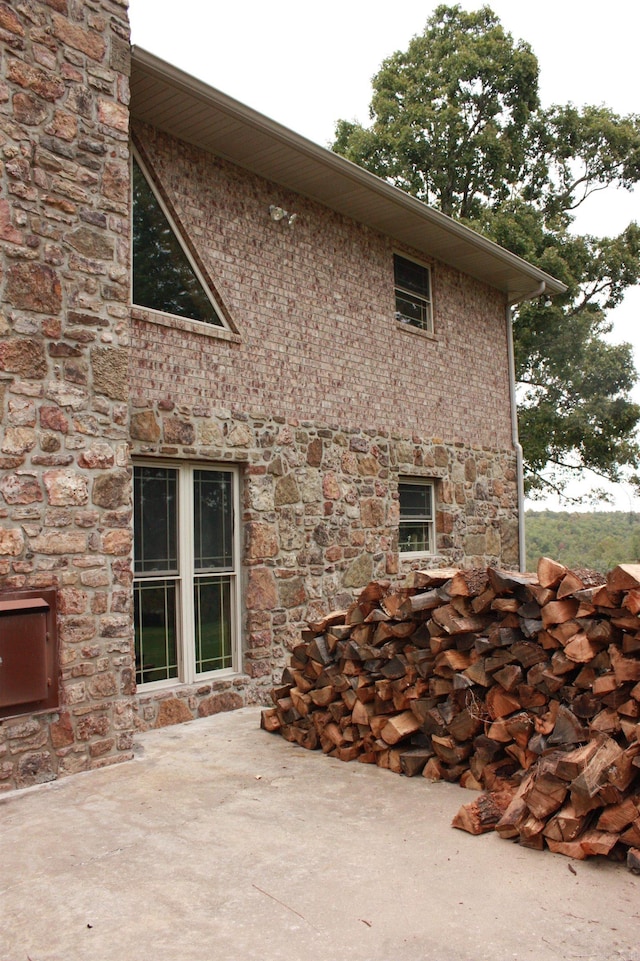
[213, 520]
[155, 630]
[412, 310]
[155, 519]
[212, 603]
[415, 500]
[163, 278]
[415, 537]
[413, 293]
[412, 277]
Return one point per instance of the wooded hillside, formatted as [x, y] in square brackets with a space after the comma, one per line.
[597, 539]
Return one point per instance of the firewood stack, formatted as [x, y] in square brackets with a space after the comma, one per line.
[524, 686]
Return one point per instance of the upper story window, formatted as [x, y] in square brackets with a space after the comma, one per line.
[417, 529]
[165, 275]
[413, 293]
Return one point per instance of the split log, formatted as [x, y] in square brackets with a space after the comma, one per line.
[624, 577]
[399, 727]
[566, 824]
[482, 814]
[550, 572]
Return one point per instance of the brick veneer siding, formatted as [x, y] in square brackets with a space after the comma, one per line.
[324, 400]
[65, 498]
[314, 307]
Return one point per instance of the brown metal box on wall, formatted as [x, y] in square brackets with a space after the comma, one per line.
[28, 652]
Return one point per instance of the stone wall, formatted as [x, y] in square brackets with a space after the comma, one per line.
[65, 500]
[320, 520]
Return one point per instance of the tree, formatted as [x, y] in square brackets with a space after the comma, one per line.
[456, 121]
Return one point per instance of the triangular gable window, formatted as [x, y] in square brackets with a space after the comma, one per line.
[165, 277]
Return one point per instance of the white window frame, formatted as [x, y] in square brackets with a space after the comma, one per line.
[185, 616]
[188, 321]
[429, 521]
[426, 302]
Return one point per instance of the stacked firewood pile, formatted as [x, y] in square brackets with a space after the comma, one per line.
[526, 687]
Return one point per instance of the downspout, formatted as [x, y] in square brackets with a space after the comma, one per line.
[522, 553]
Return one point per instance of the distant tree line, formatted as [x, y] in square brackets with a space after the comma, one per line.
[599, 540]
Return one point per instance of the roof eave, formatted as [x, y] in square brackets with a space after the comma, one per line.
[187, 108]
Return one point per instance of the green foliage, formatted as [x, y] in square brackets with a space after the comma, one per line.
[599, 540]
[456, 121]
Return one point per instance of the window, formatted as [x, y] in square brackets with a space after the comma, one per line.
[165, 276]
[413, 293]
[185, 572]
[417, 517]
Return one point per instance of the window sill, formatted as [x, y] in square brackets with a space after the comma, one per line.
[183, 323]
[174, 684]
[417, 331]
[416, 556]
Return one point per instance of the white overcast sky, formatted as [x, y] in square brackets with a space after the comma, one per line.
[306, 65]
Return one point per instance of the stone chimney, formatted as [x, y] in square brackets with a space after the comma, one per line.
[65, 479]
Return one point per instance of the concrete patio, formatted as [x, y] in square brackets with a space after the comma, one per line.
[220, 841]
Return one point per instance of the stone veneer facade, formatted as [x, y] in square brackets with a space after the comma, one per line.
[319, 397]
[64, 347]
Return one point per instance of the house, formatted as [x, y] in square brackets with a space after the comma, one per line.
[240, 378]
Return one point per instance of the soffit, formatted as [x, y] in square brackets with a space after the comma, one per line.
[186, 108]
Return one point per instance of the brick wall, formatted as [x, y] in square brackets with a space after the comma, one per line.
[65, 501]
[314, 308]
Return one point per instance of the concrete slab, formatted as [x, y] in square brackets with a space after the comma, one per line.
[220, 841]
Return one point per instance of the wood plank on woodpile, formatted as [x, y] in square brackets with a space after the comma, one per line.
[567, 729]
[565, 825]
[483, 813]
[469, 583]
[616, 817]
[449, 750]
[499, 703]
[413, 761]
[433, 770]
[586, 785]
[571, 849]
[454, 623]
[557, 612]
[430, 578]
[580, 649]
[624, 577]
[482, 603]
[550, 572]
[624, 668]
[546, 795]
[269, 720]
[424, 601]
[595, 842]
[504, 582]
[577, 580]
[505, 604]
[391, 603]
[399, 727]
[333, 617]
